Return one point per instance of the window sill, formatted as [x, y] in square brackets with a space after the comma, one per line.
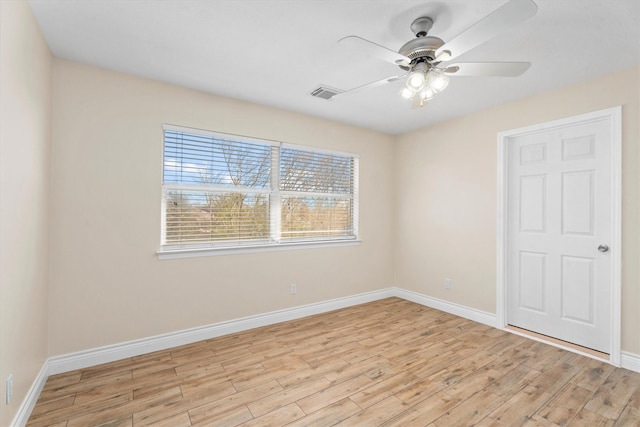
[204, 252]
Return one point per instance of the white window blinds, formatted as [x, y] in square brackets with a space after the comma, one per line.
[224, 190]
[215, 189]
[318, 194]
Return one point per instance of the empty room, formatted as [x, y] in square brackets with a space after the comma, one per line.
[318, 213]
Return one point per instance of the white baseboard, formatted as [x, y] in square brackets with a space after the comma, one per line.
[111, 353]
[630, 361]
[29, 402]
[448, 307]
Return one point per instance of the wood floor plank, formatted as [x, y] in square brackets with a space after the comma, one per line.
[592, 375]
[424, 412]
[167, 410]
[329, 415]
[197, 369]
[124, 413]
[382, 389]
[144, 389]
[214, 388]
[389, 362]
[628, 417]
[287, 396]
[60, 424]
[378, 414]
[229, 417]
[277, 371]
[352, 370]
[521, 406]
[613, 395]
[178, 420]
[53, 404]
[61, 380]
[333, 393]
[280, 416]
[479, 379]
[425, 388]
[513, 380]
[565, 405]
[587, 418]
[471, 410]
[219, 408]
[299, 377]
[554, 377]
[102, 420]
[74, 411]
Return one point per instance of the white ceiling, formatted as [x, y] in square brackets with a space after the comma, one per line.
[275, 52]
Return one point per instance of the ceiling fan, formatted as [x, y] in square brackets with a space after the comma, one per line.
[425, 59]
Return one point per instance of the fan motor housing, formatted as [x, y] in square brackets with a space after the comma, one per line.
[421, 48]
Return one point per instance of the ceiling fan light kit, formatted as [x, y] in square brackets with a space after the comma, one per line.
[425, 82]
[422, 57]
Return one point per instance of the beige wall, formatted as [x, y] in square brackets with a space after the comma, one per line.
[445, 189]
[25, 128]
[107, 286]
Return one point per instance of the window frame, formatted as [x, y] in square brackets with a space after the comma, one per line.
[274, 242]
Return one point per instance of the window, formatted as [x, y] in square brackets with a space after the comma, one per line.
[224, 191]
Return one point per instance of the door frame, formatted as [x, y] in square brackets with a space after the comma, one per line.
[614, 116]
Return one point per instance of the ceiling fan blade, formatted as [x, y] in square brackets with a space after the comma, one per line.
[501, 19]
[369, 85]
[375, 50]
[497, 69]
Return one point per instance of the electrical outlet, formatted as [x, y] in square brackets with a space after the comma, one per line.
[447, 283]
[293, 289]
[9, 388]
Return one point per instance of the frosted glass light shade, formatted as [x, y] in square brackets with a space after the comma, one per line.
[437, 80]
[406, 93]
[416, 80]
[428, 93]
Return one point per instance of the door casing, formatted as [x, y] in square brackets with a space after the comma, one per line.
[614, 115]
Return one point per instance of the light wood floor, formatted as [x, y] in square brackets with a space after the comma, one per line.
[390, 362]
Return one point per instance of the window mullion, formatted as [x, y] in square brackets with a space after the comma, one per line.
[355, 197]
[274, 201]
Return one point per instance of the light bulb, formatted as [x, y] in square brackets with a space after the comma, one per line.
[416, 80]
[406, 93]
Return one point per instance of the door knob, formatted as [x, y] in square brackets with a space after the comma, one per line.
[603, 248]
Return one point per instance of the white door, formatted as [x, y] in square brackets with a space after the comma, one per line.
[559, 229]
